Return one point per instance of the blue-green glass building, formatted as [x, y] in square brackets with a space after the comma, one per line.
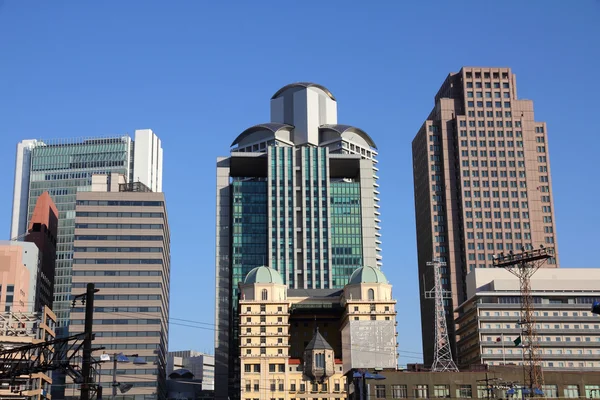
[298, 194]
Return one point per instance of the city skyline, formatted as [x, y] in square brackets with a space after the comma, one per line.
[197, 82]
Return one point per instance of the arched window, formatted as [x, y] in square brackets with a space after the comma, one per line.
[320, 360]
[265, 294]
[371, 294]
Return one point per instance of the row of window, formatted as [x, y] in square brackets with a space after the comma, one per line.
[119, 226]
[127, 334]
[134, 321]
[118, 261]
[118, 249]
[141, 238]
[117, 273]
[488, 104]
[127, 297]
[120, 203]
[90, 214]
[421, 391]
[119, 309]
[130, 285]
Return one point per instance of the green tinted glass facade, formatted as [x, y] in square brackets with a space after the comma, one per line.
[315, 179]
[62, 170]
[282, 211]
[346, 235]
[249, 224]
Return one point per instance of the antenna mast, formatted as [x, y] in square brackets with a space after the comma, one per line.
[442, 358]
[523, 266]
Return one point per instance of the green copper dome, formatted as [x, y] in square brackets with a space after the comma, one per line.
[263, 275]
[367, 275]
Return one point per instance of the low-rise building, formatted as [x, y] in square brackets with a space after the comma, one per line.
[305, 343]
[497, 382]
[568, 332]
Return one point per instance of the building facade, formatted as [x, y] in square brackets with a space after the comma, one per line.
[482, 183]
[300, 194]
[43, 231]
[303, 343]
[64, 167]
[122, 245]
[493, 383]
[200, 364]
[568, 333]
[22, 328]
[19, 264]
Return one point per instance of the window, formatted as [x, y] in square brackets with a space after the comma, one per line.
[265, 294]
[399, 392]
[320, 360]
[592, 391]
[380, 391]
[550, 390]
[571, 391]
[371, 294]
[441, 391]
[421, 391]
[464, 392]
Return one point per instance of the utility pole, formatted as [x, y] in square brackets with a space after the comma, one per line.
[86, 365]
[442, 357]
[523, 266]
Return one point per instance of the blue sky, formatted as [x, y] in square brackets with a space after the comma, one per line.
[199, 72]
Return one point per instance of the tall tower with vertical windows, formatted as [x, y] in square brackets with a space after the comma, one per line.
[298, 194]
[482, 184]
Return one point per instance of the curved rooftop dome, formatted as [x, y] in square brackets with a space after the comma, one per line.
[270, 126]
[367, 275]
[263, 275]
[302, 85]
[181, 374]
[343, 128]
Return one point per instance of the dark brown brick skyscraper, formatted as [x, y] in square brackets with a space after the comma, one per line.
[481, 181]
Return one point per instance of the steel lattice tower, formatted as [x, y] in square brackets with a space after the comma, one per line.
[442, 357]
[523, 266]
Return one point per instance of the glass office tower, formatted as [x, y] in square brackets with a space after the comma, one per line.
[64, 167]
[298, 194]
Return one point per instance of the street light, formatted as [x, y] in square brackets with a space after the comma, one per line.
[121, 358]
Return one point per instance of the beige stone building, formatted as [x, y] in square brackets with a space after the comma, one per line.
[303, 343]
[122, 245]
[482, 183]
[568, 333]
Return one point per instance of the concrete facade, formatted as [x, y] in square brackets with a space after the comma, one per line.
[299, 194]
[19, 264]
[122, 244]
[482, 183]
[568, 332]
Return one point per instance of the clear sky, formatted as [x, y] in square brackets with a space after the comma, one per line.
[199, 72]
